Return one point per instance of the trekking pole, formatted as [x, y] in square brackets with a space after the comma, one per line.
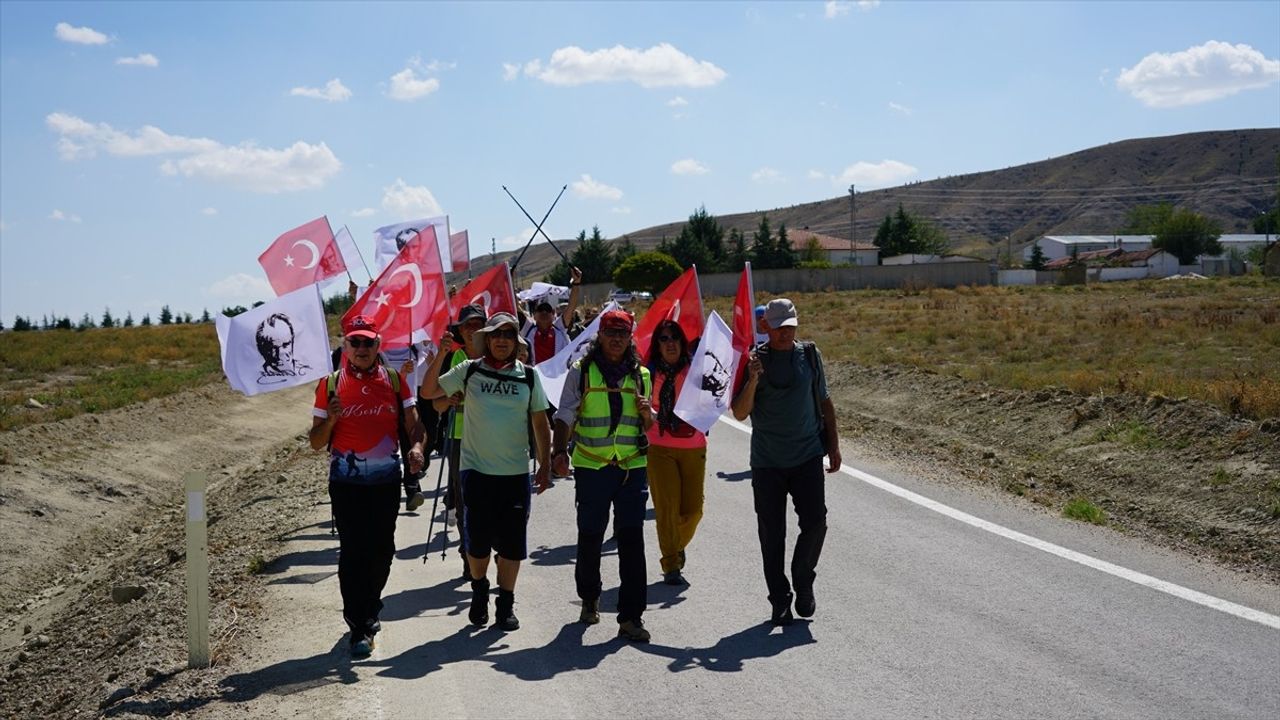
[537, 229]
[435, 502]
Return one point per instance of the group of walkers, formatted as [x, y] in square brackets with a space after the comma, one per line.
[613, 429]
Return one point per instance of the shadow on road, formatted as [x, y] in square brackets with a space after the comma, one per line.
[467, 643]
[735, 476]
[564, 653]
[731, 652]
[453, 595]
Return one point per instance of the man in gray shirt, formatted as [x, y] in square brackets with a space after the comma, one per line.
[793, 424]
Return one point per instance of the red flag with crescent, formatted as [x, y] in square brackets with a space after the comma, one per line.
[408, 301]
[744, 323]
[682, 302]
[459, 251]
[492, 289]
[303, 256]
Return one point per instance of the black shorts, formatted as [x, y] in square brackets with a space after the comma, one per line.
[495, 514]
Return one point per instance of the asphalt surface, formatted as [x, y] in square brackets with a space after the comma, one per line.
[919, 615]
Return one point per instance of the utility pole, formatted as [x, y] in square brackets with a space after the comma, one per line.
[493, 251]
[853, 209]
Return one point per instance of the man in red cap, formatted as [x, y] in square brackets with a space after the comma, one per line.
[356, 413]
[546, 333]
[604, 407]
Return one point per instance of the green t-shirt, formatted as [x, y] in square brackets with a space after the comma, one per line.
[495, 438]
[784, 422]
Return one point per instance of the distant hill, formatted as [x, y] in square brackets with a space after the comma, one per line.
[1230, 175]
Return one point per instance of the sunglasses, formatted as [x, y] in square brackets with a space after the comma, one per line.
[361, 342]
[616, 333]
[668, 338]
[504, 334]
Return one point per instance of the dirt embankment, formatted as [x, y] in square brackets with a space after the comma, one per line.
[95, 502]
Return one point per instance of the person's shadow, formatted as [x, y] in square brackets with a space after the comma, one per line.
[564, 653]
[291, 676]
[447, 595]
[734, 476]
[731, 652]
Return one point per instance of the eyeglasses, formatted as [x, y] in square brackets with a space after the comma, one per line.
[668, 338]
[361, 342]
[616, 333]
[504, 334]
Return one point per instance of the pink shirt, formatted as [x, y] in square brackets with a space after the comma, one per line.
[697, 440]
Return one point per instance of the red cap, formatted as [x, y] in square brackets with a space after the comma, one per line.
[619, 319]
[360, 326]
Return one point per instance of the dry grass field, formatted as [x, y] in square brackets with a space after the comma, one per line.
[1215, 340]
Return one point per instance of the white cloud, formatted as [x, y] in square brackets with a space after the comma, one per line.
[409, 202]
[1102, 76]
[623, 210]
[838, 8]
[210, 211]
[145, 60]
[363, 212]
[514, 242]
[333, 91]
[592, 189]
[677, 101]
[767, 175]
[688, 166]
[510, 71]
[63, 217]
[817, 175]
[659, 66]
[406, 85]
[241, 288]
[436, 66]
[300, 166]
[1200, 74]
[78, 35]
[899, 108]
[881, 174]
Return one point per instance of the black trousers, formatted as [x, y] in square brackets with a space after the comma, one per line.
[366, 517]
[627, 491]
[806, 484]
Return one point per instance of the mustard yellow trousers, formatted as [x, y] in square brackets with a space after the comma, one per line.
[676, 477]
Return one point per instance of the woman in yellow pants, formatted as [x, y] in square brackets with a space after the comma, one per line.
[677, 453]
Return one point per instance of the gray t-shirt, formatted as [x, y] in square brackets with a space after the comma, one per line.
[784, 421]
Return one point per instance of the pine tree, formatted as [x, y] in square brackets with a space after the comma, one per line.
[204, 318]
[107, 320]
[593, 257]
[1037, 258]
[166, 315]
[762, 245]
[736, 254]
[784, 256]
[146, 319]
[128, 320]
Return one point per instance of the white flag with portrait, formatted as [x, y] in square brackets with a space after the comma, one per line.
[557, 366]
[389, 240]
[708, 388]
[277, 345]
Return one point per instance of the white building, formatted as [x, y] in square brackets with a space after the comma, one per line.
[1060, 246]
[838, 250]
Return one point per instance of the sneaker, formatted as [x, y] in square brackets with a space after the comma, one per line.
[590, 612]
[414, 501]
[504, 612]
[806, 604]
[634, 631]
[479, 612]
[362, 647]
[782, 611]
[674, 578]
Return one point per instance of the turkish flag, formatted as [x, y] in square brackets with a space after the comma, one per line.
[744, 324]
[408, 301]
[492, 289]
[303, 256]
[682, 302]
[459, 251]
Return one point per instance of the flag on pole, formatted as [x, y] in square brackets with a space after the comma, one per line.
[303, 256]
[388, 240]
[744, 322]
[492, 289]
[540, 290]
[706, 392]
[557, 366]
[682, 302]
[277, 345]
[460, 251]
[408, 301]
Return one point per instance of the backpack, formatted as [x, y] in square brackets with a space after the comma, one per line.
[636, 377]
[810, 350]
[474, 367]
[393, 376]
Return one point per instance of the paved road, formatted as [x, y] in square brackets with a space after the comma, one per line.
[919, 615]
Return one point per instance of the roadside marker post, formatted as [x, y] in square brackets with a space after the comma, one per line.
[197, 572]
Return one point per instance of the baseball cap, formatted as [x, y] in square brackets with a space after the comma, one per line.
[360, 326]
[474, 310]
[619, 319]
[780, 312]
[759, 311]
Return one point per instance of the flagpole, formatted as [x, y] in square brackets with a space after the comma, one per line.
[360, 254]
[538, 228]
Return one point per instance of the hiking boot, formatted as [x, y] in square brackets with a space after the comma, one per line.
[479, 612]
[504, 613]
[590, 612]
[633, 630]
[361, 646]
[674, 578]
[806, 604]
[413, 498]
[782, 610]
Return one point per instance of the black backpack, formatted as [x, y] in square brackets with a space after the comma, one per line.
[475, 367]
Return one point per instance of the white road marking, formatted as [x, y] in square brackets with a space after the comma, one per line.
[1124, 573]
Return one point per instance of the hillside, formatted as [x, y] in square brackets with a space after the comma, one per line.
[1231, 175]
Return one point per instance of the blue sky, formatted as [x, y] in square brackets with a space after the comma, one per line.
[149, 152]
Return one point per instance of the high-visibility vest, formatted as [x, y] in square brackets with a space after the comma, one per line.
[593, 446]
[458, 357]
